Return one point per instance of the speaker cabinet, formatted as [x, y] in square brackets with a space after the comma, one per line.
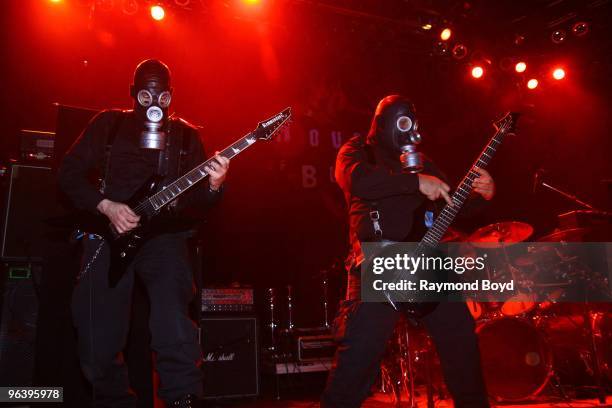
[230, 351]
[17, 326]
[31, 205]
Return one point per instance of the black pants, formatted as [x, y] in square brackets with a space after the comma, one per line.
[101, 315]
[363, 330]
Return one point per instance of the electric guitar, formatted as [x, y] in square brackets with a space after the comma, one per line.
[404, 300]
[153, 198]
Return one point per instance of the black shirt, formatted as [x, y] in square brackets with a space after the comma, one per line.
[129, 166]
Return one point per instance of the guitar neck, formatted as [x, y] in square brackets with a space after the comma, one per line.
[195, 175]
[460, 196]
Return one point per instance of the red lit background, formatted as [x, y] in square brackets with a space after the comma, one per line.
[237, 62]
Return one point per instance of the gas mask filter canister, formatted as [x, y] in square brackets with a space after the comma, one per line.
[410, 158]
[153, 137]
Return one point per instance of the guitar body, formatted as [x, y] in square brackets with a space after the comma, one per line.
[123, 247]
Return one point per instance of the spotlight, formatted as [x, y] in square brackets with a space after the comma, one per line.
[520, 66]
[580, 29]
[558, 36]
[157, 12]
[55, 1]
[129, 7]
[532, 83]
[477, 72]
[251, 2]
[446, 34]
[459, 51]
[426, 27]
[440, 48]
[519, 39]
[558, 73]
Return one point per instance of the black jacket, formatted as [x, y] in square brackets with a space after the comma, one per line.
[129, 166]
[372, 180]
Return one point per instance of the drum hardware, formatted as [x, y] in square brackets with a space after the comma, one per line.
[517, 362]
[500, 234]
[289, 309]
[569, 235]
[324, 286]
[272, 325]
[409, 353]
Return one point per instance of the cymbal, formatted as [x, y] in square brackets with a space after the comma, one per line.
[500, 234]
[568, 235]
[453, 235]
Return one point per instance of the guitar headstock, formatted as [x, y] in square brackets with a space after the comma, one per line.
[268, 128]
[507, 124]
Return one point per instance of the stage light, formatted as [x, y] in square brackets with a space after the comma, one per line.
[55, 1]
[558, 73]
[459, 51]
[440, 48]
[580, 29]
[477, 72]
[532, 83]
[519, 39]
[129, 7]
[446, 34]
[427, 27]
[520, 66]
[158, 13]
[558, 36]
[251, 2]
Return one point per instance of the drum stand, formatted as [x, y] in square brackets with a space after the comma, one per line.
[597, 374]
[408, 373]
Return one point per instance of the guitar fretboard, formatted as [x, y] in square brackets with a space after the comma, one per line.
[460, 196]
[183, 183]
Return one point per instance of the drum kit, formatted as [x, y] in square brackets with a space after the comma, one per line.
[534, 339]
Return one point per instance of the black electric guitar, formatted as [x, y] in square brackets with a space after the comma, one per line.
[152, 199]
[405, 300]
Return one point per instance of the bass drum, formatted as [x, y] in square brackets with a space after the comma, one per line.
[516, 360]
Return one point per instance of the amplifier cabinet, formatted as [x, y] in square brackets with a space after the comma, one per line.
[31, 203]
[230, 356]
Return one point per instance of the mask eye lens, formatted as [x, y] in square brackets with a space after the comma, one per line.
[164, 99]
[404, 123]
[144, 97]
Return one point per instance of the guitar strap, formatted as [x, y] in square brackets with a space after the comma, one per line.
[374, 213]
[108, 145]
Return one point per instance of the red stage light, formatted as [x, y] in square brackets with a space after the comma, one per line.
[477, 72]
[446, 34]
[158, 13]
[558, 74]
[55, 1]
[520, 66]
[532, 83]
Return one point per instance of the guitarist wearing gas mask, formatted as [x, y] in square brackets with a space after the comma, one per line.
[385, 181]
[126, 148]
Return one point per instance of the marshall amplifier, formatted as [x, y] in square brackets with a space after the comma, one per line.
[229, 349]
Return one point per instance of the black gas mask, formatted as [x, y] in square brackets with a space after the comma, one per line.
[152, 96]
[395, 130]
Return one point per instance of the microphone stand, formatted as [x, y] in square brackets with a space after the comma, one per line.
[568, 196]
